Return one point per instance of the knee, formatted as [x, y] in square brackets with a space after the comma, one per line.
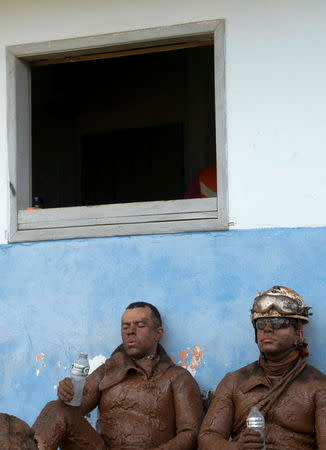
[51, 425]
[59, 413]
[52, 410]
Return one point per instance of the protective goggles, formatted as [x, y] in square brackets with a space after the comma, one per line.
[275, 322]
[282, 304]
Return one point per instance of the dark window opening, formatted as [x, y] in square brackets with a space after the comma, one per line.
[131, 129]
[135, 165]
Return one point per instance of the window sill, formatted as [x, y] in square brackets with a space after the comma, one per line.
[118, 220]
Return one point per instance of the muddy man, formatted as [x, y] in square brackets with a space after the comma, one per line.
[144, 400]
[290, 393]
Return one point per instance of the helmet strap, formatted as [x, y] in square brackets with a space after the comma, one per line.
[302, 345]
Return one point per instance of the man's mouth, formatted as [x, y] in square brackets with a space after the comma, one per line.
[131, 342]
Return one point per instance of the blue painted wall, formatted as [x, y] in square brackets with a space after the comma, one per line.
[58, 298]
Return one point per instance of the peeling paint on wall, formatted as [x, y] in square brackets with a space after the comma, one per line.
[183, 354]
[39, 357]
[39, 360]
[96, 362]
[195, 360]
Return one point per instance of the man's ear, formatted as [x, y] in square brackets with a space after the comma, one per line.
[159, 333]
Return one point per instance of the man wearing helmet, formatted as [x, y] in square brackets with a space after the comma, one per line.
[290, 393]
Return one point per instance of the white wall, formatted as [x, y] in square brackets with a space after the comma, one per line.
[276, 91]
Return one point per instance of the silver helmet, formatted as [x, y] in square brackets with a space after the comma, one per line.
[279, 301]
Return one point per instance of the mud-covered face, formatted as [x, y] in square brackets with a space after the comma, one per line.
[139, 333]
[277, 342]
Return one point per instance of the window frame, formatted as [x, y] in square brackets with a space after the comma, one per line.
[157, 217]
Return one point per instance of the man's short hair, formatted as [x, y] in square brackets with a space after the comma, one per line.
[156, 316]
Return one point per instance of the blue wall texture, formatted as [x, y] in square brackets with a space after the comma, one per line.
[62, 297]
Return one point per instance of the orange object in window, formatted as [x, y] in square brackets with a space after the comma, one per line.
[203, 185]
[208, 182]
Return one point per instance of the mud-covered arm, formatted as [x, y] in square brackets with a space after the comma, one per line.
[91, 394]
[188, 409]
[320, 418]
[217, 424]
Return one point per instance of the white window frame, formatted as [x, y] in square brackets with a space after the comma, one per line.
[118, 219]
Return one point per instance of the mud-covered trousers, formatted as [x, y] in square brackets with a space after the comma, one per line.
[60, 425]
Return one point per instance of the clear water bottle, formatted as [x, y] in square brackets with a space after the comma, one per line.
[256, 421]
[79, 372]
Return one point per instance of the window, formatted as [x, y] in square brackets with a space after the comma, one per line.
[109, 132]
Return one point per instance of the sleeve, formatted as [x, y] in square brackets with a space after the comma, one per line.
[217, 424]
[320, 418]
[188, 408]
[91, 394]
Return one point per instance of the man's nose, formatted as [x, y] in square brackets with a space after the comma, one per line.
[268, 328]
[131, 329]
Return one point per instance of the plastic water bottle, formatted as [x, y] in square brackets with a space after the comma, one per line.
[256, 421]
[79, 372]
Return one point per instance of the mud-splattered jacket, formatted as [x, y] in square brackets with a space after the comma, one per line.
[161, 410]
[297, 421]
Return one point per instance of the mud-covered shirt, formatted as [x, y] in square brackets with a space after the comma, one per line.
[156, 408]
[297, 421]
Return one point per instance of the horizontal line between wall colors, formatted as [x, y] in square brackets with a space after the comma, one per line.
[22, 240]
[251, 227]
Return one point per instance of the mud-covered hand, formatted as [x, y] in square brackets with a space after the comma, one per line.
[65, 390]
[250, 440]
